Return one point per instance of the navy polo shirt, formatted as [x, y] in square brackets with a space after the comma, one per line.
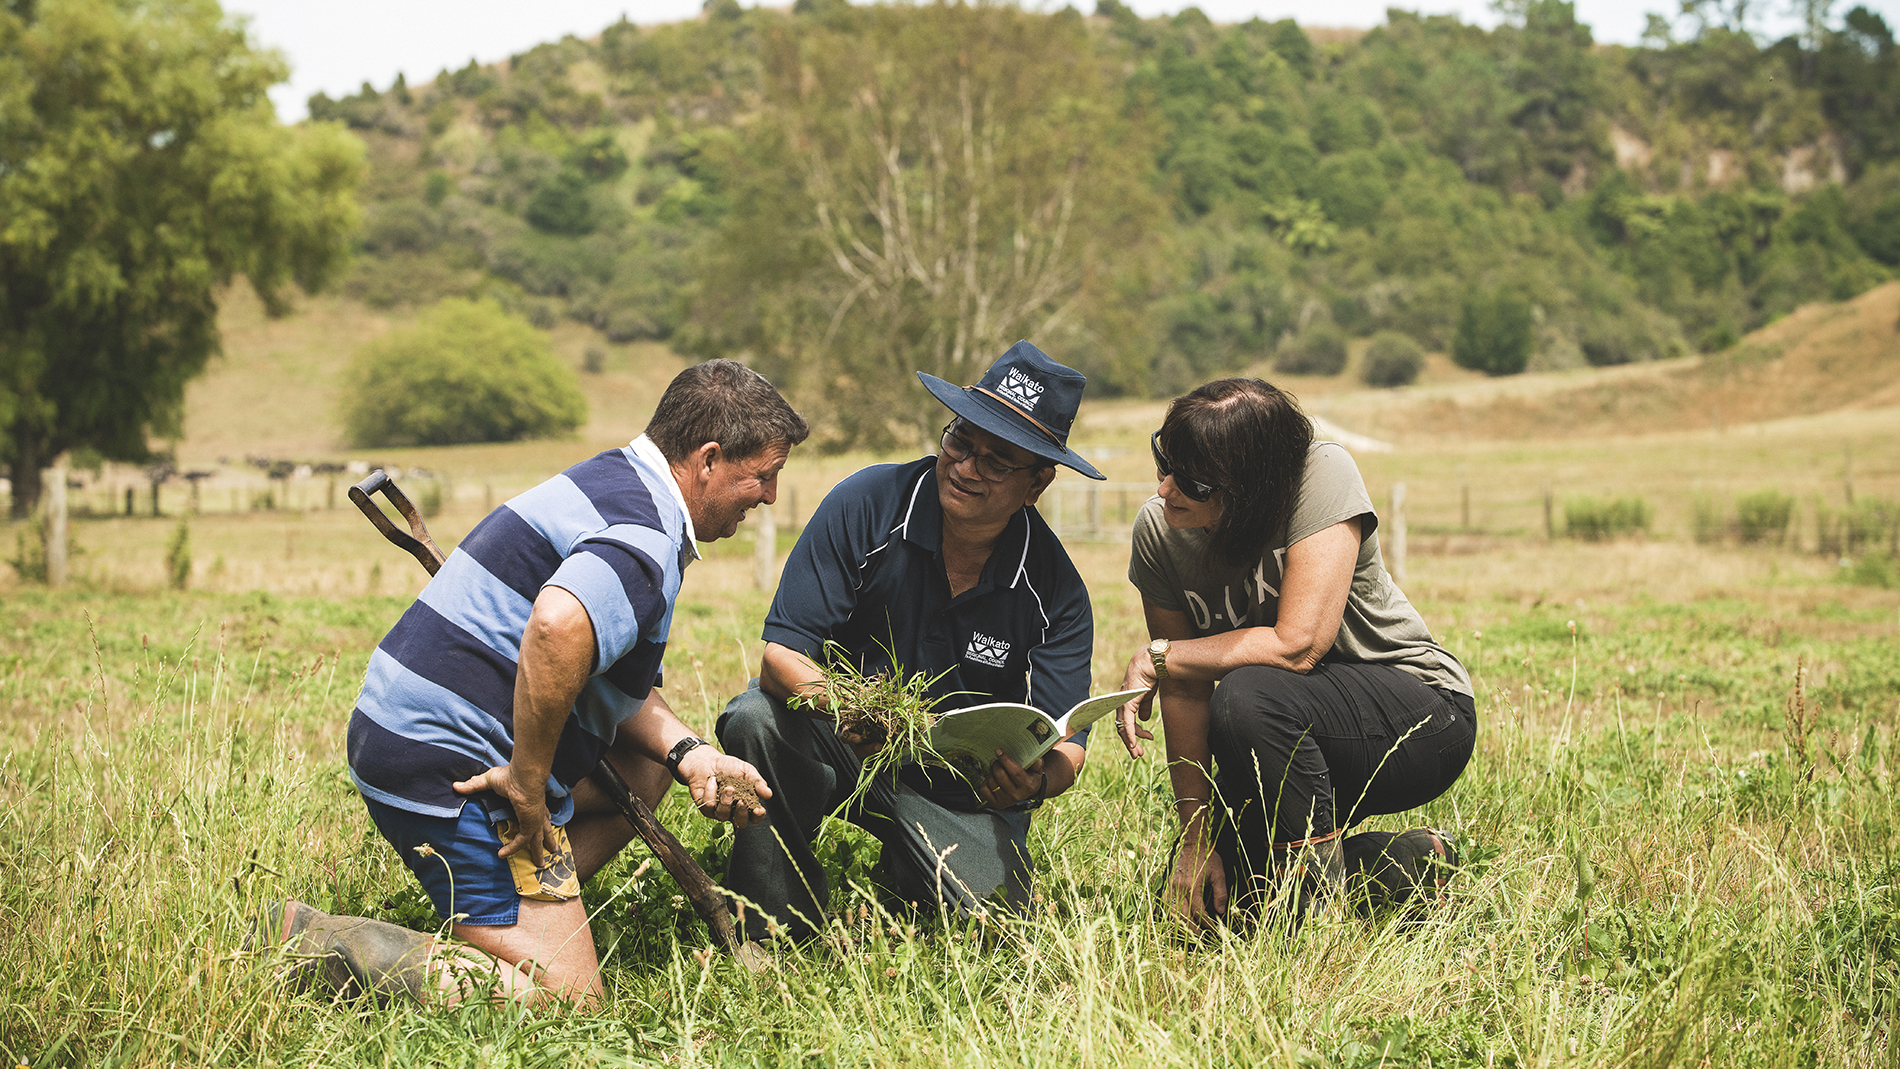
[868, 574]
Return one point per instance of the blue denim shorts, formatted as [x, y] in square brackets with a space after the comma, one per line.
[454, 858]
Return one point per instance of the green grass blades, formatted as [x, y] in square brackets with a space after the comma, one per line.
[893, 710]
[1672, 860]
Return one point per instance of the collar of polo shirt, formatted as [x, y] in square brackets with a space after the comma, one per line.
[644, 448]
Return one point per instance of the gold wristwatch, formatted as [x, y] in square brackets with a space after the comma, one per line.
[1158, 653]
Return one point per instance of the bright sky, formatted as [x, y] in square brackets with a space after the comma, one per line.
[336, 46]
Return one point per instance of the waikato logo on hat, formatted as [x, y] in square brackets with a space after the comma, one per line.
[1021, 389]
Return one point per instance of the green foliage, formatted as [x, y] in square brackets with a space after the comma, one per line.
[1878, 568]
[1392, 360]
[1596, 519]
[1870, 525]
[1496, 330]
[693, 183]
[1873, 213]
[178, 556]
[465, 372]
[927, 185]
[1763, 515]
[1708, 520]
[141, 169]
[29, 551]
[561, 205]
[1320, 349]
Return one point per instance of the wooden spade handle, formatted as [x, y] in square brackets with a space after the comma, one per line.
[708, 901]
[416, 541]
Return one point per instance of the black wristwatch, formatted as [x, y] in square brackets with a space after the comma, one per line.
[678, 753]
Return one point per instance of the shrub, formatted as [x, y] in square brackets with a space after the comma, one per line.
[1763, 515]
[1872, 569]
[561, 205]
[1599, 519]
[465, 372]
[1495, 332]
[1319, 350]
[1873, 521]
[178, 556]
[1392, 360]
[29, 553]
[1708, 524]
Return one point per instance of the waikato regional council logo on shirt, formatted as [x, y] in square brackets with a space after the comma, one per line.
[986, 650]
[1021, 389]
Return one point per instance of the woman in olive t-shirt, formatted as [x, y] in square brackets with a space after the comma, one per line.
[1300, 690]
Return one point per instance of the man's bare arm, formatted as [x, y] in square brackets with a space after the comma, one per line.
[785, 672]
[557, 655]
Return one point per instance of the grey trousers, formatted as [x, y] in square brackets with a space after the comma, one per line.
[933, 856]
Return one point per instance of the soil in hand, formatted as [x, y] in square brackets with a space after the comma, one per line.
[744, 795]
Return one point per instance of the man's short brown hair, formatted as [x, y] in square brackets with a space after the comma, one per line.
[726, 402]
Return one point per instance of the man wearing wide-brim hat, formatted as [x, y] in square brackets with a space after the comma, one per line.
[940, 567]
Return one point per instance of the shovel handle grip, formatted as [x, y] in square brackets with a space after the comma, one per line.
[415, 541]
[708, 901]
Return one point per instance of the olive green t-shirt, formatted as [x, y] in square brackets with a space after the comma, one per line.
[1179, 570]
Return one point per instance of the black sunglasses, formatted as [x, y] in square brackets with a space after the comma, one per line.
[1193, 488]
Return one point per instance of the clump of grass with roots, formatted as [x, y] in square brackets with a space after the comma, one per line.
[892, 710]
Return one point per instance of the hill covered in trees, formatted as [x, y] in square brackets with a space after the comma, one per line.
[841, 194]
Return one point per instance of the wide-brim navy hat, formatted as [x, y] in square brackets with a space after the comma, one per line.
[1027, 400]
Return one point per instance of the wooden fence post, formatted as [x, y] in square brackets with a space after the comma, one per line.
[56, 525]
[1464, 499]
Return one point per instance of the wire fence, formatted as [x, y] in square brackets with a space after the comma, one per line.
[1093, 512]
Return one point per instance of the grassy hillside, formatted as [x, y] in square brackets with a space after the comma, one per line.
[1643, 202]
[275, 391]
[1822, 358]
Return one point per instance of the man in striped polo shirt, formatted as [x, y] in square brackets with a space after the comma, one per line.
[533, 655]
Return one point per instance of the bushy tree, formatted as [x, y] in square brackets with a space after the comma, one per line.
[1496, 329]
[467, 371]
[930, 184]
[561, 205]
[142, 169]
[1392, 360]
[1320, 349]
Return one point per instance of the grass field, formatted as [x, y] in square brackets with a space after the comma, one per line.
[1680, 825]
[1662, 871]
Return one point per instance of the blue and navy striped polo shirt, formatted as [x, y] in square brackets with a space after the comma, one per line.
[437, 704]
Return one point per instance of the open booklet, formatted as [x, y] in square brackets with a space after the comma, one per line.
[967, 739]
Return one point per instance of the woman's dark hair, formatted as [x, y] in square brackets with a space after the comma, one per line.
[1250, 439]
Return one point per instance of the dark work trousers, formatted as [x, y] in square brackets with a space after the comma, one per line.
[931, 855]
[1297, 756]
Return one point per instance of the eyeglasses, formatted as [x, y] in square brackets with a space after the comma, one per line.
[1193, 488]
[959, 449]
